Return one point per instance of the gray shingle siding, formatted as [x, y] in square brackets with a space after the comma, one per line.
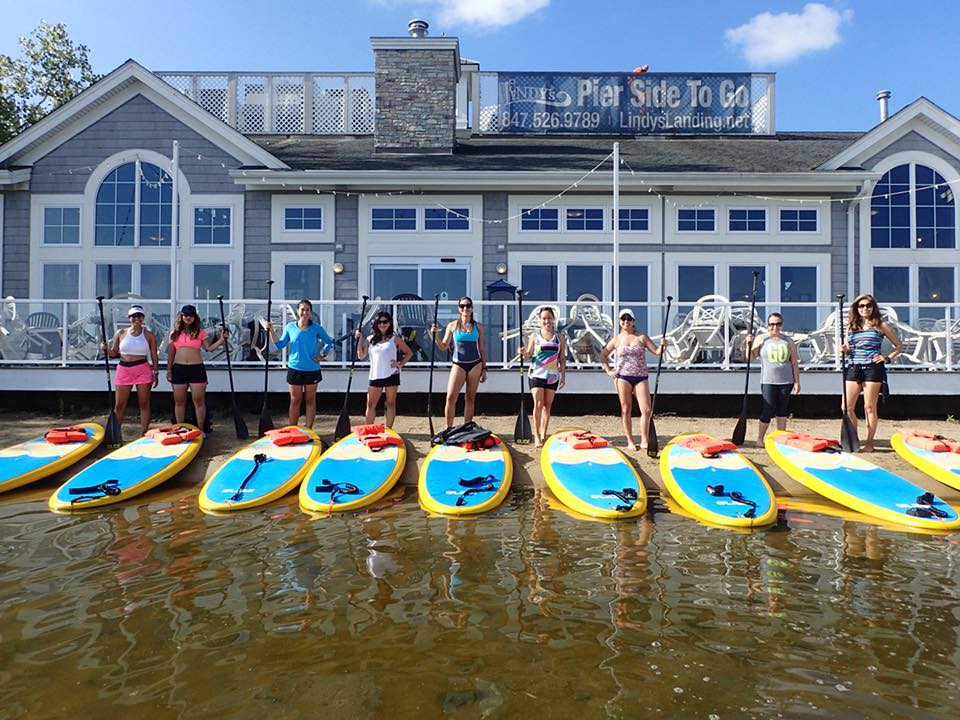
[838, 248]
[16, 244]
[347, 234]
[137, 124]
[256, 246]
[494, 234]
[913, 142]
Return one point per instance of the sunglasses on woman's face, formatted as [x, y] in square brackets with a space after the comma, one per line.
[774, 324]
[136, 315]
[626, 319]
[465, 306]
[865, 305]
[186, 315]
[383, 322]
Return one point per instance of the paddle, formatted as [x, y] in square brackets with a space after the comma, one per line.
[849, 440]
[433, 352]
[653, 444]
[266, 422]
[740, 431]
[238, 423]
[343, 422]
[522, 434]
[112, 434]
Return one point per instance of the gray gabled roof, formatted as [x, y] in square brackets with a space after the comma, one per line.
[781, 153]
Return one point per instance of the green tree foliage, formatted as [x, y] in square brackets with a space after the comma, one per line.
[52, 70]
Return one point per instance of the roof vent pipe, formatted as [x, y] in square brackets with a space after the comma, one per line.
[418, 28]
[883, 96]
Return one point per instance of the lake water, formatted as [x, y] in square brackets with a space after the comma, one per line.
[155, 610]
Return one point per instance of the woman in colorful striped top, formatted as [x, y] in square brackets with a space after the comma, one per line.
[547, 352]
[867, 370]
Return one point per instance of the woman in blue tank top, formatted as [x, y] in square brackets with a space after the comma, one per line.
[469, 359]
[867, 370]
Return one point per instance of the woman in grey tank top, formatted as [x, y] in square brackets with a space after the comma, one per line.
[779, 373]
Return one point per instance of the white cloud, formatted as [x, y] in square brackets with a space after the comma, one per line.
[486, 13]
[774, 39]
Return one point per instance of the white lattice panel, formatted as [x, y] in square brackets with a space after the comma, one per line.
[489, 103]
[252, 104]
[181, 83]
[362, 105]
[760, 89]
[328, 96]
[211, 95]
[288, 105]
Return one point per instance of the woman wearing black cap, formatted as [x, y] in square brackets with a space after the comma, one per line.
[185, 367]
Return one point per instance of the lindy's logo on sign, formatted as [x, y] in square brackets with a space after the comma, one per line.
[536, 94]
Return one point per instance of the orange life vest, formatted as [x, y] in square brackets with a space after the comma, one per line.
[288, 436]
[706, 445]
[806, 442]
[376, 436]
[59, 436]
[485, 444]
[583, 439]
[173, 434]
[927, 440]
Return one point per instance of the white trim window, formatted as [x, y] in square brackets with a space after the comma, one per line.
[581, 219]
[61, 225]
[118, 279]
[539, 219]
[634, 219]
[302, 218]
[60, 281]
[212, 225]
[913, 207]
[392, 219]
[446, 219]
[696, 219]
[134, 207]
[799, 220]
[746, 220]
[920, 284]
[210, 279]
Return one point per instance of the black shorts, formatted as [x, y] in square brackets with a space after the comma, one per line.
[188, 374]
[303, 377]
[776, 400]
[874, 372]
[545, 384]
[468, 365]
[389, 381]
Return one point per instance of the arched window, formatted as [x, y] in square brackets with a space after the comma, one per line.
[134, 207]
[912, 207]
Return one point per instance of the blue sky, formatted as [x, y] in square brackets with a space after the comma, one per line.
[830, 57]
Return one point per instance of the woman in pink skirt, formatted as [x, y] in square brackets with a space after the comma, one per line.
[139, 365]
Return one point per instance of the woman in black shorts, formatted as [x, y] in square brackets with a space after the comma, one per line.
[185, 368]
[547, 352]
[382, 347]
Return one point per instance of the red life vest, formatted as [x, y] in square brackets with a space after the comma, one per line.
[706, 445]
[583, 439]
[173, 434]
[484, 444]
[806, 442]
[376, 436]
[61, 435]
[927, 440]
[288, 436]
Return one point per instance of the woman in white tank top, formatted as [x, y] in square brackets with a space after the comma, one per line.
[382, 347]
[137, 349]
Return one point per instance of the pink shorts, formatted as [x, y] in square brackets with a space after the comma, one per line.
[141, 374]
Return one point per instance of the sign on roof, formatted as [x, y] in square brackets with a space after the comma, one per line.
[635, 103]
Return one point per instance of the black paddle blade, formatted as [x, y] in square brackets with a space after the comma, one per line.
[740, 431]
[849, 441]
[111, 434]
[343, 425]
[653, 444]
[266, 422]
[239, 425]
[522, 433]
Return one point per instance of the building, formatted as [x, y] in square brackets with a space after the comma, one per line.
[430, 176]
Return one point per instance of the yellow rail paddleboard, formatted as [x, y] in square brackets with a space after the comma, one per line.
[455, 481]
[721, 488]
[351, 475]
[130, 470]
[942, 466]
[590, 476]
[856, 483]
[38, 458]
[259, 473]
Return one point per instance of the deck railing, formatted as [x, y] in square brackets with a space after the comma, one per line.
[701, 335]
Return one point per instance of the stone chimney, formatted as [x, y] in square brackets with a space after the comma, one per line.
[416, 85]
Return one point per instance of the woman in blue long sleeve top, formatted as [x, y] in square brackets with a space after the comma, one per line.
[303, 361]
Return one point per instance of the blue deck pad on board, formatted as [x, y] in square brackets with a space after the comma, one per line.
[25, 457]
[443, 479]
[693, 473]
[587, 479]
[854, 476]
[352, 461]
[282, 463]
[940, 459]
[129, 466]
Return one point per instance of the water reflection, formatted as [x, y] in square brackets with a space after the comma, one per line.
[159, 610]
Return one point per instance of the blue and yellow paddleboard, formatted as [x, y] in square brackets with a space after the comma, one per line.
[596, 481]
[37, 458]
[130, 470]
[853, 482]
[722, 490]
[795, 508]
[455, 481]
[942, 466]
[259, 473]
[350, 475]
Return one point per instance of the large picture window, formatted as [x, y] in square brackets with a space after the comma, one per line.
[134, 207]
[912, 207]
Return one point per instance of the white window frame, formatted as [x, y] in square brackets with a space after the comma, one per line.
[517, 203]
[913, 283]
[40, 203]
[233, 202]
[766, 220]
[417, 218]
[75, 263]
[422, 221]
[723, 234]
[420, 264]
[278, 206]
[585, 207]
[696, 233]
[793, 233]
[324, 258]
